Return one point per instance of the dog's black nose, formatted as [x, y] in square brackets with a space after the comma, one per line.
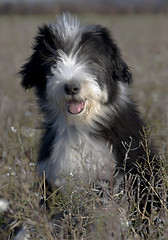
[72, 88]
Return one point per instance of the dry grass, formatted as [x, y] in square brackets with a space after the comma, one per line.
[143, 40]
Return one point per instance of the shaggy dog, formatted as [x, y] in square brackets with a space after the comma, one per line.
[92, 129]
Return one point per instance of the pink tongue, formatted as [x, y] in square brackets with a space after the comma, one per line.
[75, 106]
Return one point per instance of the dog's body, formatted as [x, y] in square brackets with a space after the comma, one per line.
[92, 127]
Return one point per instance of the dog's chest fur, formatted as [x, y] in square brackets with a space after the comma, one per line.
[76, 153]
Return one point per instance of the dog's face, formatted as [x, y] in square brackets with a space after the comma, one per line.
[73, 89]
[77, 71]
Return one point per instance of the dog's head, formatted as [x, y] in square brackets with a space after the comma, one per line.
[77, 71]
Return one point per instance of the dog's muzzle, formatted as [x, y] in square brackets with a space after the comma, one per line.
[74, 106]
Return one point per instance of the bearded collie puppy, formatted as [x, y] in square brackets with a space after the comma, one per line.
[92, 129]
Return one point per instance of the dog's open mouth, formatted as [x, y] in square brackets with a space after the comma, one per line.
[75, 106]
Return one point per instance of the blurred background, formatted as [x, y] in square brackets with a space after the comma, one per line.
[81, 6]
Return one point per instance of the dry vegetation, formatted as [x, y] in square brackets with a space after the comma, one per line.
[143, 40]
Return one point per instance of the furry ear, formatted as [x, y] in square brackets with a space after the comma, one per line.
[34, 71]
[109, 56]
[120, 70]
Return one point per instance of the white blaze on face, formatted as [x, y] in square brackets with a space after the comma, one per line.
[87, 104]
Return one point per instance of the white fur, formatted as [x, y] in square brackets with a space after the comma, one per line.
[75, 154]
[68, 27]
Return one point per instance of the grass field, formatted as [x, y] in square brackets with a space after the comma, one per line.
[143, 40]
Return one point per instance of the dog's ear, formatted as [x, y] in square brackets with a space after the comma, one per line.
[33, 72]
[119, 69]
[113, 61]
